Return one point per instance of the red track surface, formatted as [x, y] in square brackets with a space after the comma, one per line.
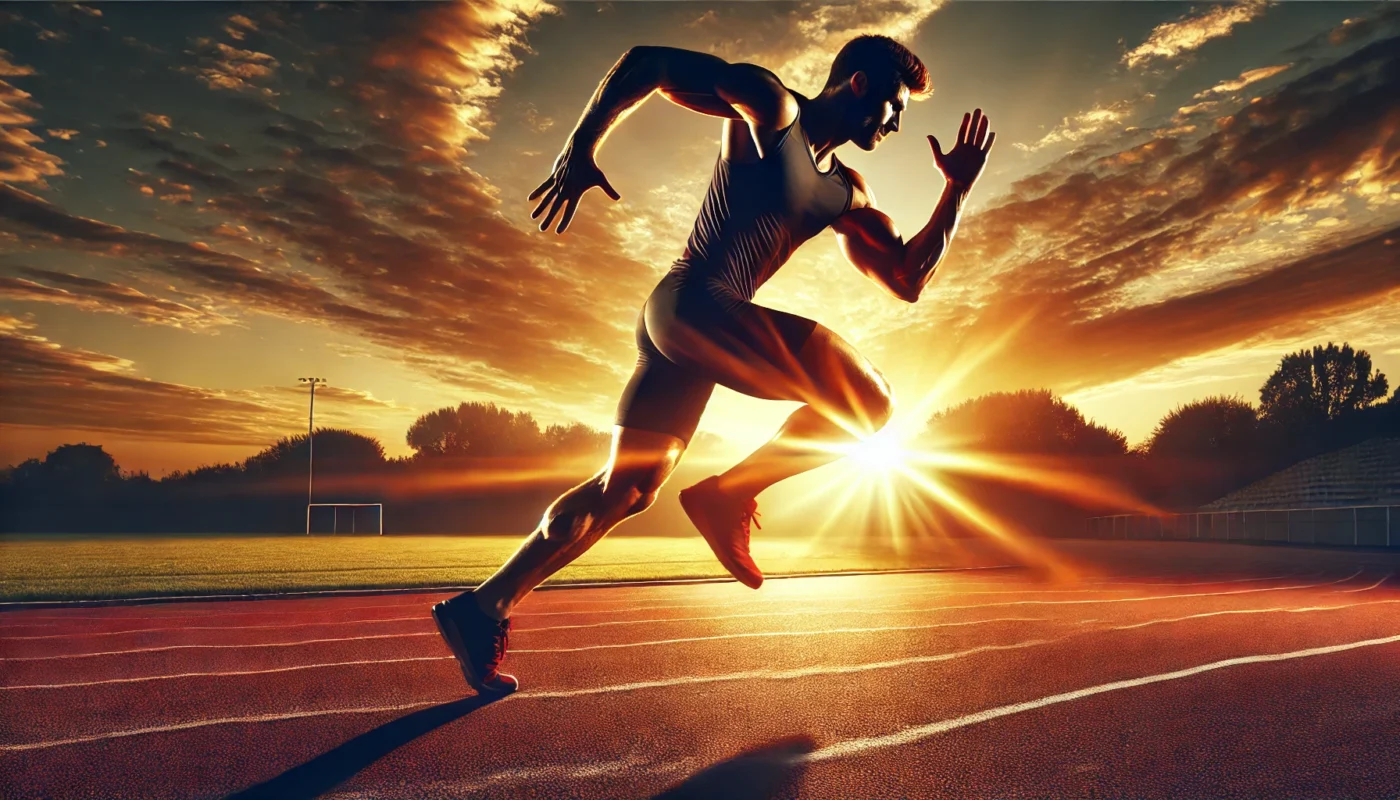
[1181, 669]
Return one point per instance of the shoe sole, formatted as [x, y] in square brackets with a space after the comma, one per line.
[724, 560]
[454, 643]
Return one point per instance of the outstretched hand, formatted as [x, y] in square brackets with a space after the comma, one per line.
[574, 173]
[964, 162]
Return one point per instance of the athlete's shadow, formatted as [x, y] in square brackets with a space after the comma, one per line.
[771, 770]
[333, 767]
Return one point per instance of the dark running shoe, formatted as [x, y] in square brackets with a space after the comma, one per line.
[478, 641]
[724, 522]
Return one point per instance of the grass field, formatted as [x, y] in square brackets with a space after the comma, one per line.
[70, 568]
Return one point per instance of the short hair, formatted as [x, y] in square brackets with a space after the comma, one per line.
[881, 59]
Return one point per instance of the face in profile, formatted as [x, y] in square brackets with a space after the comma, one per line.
[879, 113]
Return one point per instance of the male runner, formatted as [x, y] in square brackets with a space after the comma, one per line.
[776, 184]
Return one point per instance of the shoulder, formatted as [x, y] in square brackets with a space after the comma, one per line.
[862, 196]
[761, 93]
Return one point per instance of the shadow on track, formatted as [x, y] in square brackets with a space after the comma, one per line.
[756, 774]
[330, 769]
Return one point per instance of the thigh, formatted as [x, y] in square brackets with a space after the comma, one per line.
[661, 397]
[765, 353]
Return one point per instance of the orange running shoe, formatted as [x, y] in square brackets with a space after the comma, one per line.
[724, 522]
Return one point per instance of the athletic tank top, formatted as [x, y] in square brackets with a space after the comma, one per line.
[756, 213]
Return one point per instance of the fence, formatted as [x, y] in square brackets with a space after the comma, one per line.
[1352, 526]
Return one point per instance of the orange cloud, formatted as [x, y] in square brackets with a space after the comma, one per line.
[1170, 40]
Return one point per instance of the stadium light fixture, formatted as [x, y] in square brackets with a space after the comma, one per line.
[310, 445]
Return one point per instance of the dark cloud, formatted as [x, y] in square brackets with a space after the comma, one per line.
[91, 294]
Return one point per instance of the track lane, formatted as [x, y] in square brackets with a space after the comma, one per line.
[754, 688]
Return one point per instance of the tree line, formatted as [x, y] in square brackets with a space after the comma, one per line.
[477, 467]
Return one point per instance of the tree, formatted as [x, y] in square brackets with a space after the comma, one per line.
[336, 450]
[1216, 427]
[576, 439]
[70, 466]
[476, 429]
[1311, 387]
[1029, 421]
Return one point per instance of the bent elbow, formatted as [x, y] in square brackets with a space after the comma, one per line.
[904, 291]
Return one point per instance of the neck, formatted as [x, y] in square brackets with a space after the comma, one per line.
[822, 119]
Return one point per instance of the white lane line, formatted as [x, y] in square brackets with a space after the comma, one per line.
[514, 651]
[214, 647]
[783, 674]
[755, 674]
[778, 634]
[818, 599]
[765, 675]
[947, 589]
[896, 610]
[927, 610]
[182, 629]
[204, 723]
[852, 747]
[1302, 610]
[688, 639]
[1368, 588]
[229, 674]
[221, 614]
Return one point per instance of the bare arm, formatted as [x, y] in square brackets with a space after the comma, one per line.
[869, 238]
[697, 81]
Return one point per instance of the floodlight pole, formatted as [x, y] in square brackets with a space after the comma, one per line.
[310, 446]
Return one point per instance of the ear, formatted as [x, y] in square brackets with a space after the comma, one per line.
[860, 83]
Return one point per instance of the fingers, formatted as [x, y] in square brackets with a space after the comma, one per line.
[567, 217]
[962, 132]
[548, 182]
[548, 198]
[981, 136]
[937, 151]
[554, 209]
[607, 188]
[990, 138]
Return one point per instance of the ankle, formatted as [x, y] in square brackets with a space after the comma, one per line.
[736, 487]
[497, 610]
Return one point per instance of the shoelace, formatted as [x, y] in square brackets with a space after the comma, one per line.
[499, 644]
[749, 515]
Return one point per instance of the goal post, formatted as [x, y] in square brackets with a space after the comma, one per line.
[378, 524]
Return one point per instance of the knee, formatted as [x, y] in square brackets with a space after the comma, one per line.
[570, 518]
[877, 404]
[642, 499]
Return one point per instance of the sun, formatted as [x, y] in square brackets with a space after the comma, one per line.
[881, 452]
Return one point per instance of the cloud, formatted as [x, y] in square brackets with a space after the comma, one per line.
[21, 161]
[9, 69]
[1085, 124]
[1181, 244]
[1171, 40]
[431, 81]
[48, 385]
[799, 39]
[341, 395]
[224, 67]
[90, 294]
[239, 27]
[1246, 78]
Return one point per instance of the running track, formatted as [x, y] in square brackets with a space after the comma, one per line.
[1173, 670]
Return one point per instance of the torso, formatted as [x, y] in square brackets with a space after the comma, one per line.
[764, 201]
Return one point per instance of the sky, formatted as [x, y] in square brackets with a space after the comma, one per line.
[203, 202]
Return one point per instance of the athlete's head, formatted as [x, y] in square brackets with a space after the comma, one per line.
[880, 75]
